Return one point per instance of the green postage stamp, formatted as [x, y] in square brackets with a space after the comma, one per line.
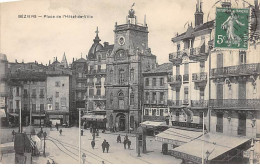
[232, 28]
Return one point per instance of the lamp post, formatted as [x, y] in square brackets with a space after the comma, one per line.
[44, 137]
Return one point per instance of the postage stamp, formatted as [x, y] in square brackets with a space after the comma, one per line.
[232, 28]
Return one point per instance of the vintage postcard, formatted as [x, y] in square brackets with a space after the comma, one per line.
[129, 82]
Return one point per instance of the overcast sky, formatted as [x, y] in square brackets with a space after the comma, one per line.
[41, 39]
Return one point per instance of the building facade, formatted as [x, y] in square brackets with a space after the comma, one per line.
[129, 58]
[156, 88]
[190, 85]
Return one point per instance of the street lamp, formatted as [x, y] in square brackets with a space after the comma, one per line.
[44, 137]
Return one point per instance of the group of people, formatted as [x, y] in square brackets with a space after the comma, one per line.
[105, 145]
[126, 141]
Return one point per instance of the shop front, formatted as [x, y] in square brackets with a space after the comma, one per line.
[94, 121]
[60, 118]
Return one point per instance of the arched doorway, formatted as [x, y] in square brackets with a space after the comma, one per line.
[121, 119]
[111, 121]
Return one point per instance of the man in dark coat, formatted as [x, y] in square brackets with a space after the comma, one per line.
[107, 146]
[104, 145]
[93, 144]
[129, 144]
[125, 142]
[118, 139]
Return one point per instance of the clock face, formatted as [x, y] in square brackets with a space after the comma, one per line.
[121, 40]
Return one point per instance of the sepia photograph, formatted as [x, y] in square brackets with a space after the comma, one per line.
[129, 82]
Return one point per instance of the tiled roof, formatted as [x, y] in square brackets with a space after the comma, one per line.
[166, 67]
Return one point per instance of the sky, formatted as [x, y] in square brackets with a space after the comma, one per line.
[42, 39]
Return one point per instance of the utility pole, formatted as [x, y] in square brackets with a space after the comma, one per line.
[44, 145]
[202, 153]
[79, 137]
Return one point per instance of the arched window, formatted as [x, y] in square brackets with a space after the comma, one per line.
[121, 102]
[121, 76]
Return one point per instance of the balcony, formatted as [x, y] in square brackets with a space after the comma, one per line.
[199, 103]
[241, 131]
[219, 128]
[174, 103]
[239, 70]
[17, 110]
[175, 58]
[252, 104]
[200, 79]
[188, 125]
[175, 81]
[41, 96]
[153, 118]
[98, 83]
[99, 97]
[81, 78]
[25, 96]
[33, 96]
[90, 84]
[185, 102]
[185, 78]
[101, 71]
[81, 88]
[198, 53]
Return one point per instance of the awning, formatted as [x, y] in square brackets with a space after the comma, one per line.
[14, 114]
[38, 115]
[2, 113]
[93, 117]
[214, 144]
[151, 124]
[177, 136]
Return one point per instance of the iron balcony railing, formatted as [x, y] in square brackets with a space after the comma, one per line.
[172, 103]
[90, 84]
[199, 103]
[198, 50]
[175, 80]
[33, 96]
[175, 56]
[188, 125]
[235, 103]
[186, 101]
[198, 77]
[243, 69]
[101, 71]
[98, 83]
[41, 96]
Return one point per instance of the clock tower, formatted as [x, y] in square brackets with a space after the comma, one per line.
[129, 57]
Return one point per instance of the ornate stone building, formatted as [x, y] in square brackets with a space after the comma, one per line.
[124, 84]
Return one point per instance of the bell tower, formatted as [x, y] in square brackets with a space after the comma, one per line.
[132, 35]
[198, 14]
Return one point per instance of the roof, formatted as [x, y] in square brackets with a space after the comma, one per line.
[152, 124]
[28, 75]
[215, 144]
[81, 60]
[179, 136]
[166, 67]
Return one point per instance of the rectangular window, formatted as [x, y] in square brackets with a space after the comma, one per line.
[154, 97]
[57, 94]
[17, 91]
[33, 107]
[99, 68]
[98, 91]
[56, 106]
[147, 96]
[17, 104]
[41, 107]
[25, 93]
[161, 81]
[161, 97]
[242, 57]
[186, 68]
[154, 112]
[202, 94]
[186, 94]
[63, 102]
[132, 74]
[91, 92]
[161, 112]
[57, 84]
[154, 81]
[146, 81]
[41, 93]
[219, 126]
[33, 93]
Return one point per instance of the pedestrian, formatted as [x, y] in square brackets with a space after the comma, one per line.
[13, 133]
[125, 142]
[103, 162]
[53, 162]
[104, 145]
[129, 144]
[83, 158]
[57, 126]
[107, 146]
[118, 139]
[60, 132]
[48, 162]
[93, 144]
[126, 137]
[93, 135]
[81, 132]
[97, 132]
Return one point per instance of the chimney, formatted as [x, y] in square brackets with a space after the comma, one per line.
[106, 44]
[198, 14]
[226, 4]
